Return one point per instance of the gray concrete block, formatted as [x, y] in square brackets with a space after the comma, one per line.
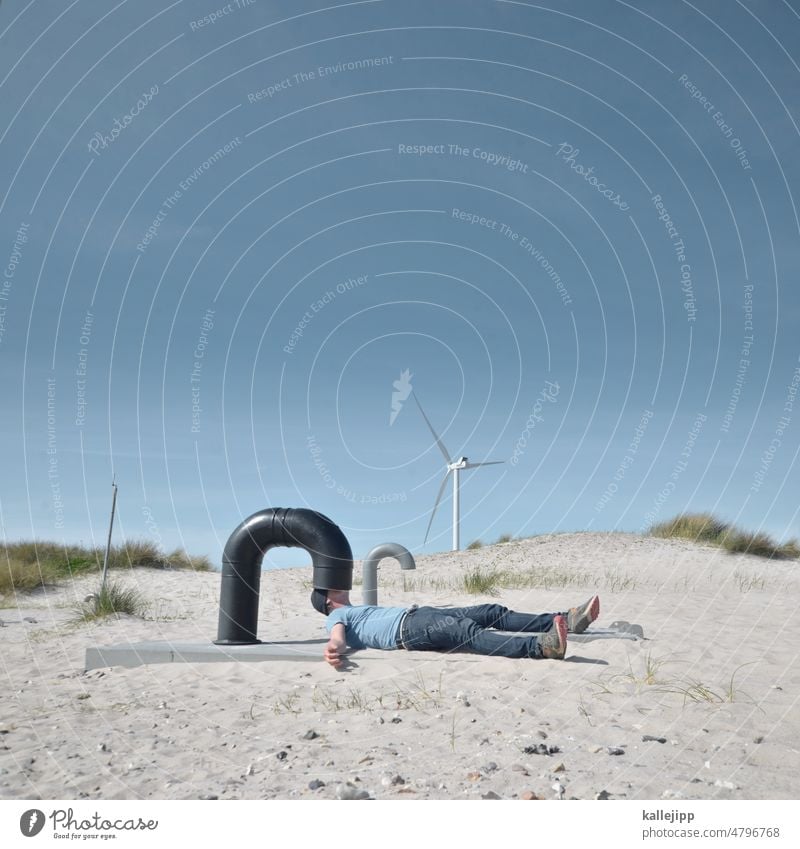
[139, 654]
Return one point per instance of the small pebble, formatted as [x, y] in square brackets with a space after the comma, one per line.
[615, 750]
[542, 734]
[396, 720]
[651, 738]
[559, 768]
[528, 796]
[603, 794]
[490, 795]
[541, 749]
[474, 776]
[30, 619]
[727, 785]
[758, 739]
[350, 791]
[281, 756]
[310, 735]
[315, 784]
[490, 767]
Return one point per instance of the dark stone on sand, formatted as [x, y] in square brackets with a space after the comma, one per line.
[541, 749]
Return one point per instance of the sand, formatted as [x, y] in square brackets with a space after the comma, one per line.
[717, 680]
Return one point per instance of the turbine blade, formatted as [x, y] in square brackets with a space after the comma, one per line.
[487, 463]
[438, 499]
[439, 442]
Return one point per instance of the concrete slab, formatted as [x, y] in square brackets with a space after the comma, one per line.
[603, 634]
[139, 654]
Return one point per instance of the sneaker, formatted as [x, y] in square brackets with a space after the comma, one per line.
[581, 617]
[554, 643]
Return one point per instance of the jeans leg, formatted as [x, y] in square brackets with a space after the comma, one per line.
[502, 619]
[432, 629]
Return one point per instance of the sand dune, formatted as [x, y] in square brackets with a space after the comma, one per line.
[717, 679]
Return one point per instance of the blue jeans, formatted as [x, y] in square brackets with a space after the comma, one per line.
[465, 629]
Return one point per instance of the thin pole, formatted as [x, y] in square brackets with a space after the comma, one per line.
[110, 528]
[456, 511]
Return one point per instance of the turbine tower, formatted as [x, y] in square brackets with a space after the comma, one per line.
[454, 466]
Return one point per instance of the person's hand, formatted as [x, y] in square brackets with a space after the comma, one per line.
[333, 652]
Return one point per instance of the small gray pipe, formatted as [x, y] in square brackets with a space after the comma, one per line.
[370, 567]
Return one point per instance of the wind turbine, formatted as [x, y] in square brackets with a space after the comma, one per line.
[454, 466]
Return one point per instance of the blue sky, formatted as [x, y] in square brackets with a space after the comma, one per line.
[226, 230]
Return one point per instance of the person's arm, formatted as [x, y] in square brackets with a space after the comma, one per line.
[336, 645]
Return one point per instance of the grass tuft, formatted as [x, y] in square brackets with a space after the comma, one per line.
[504, 538]
[704, 527]
[179, 559]
[698, 527]
[112, 599]
[476, 543]
[480, 582]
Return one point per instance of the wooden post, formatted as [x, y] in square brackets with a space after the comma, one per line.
[110, 528]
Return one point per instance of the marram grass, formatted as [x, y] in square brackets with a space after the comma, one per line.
[28, 565]
[111, 599]
[705, 527]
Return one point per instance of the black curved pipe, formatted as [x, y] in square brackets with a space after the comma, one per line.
[276, 527]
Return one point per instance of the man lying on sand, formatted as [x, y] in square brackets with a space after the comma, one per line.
[447, 629]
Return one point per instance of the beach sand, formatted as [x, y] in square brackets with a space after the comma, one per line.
[717, 678]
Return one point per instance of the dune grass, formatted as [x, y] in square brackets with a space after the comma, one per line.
[482, 582]
[705, 527]
[475, 544]
[28, 565]
[111, 599]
